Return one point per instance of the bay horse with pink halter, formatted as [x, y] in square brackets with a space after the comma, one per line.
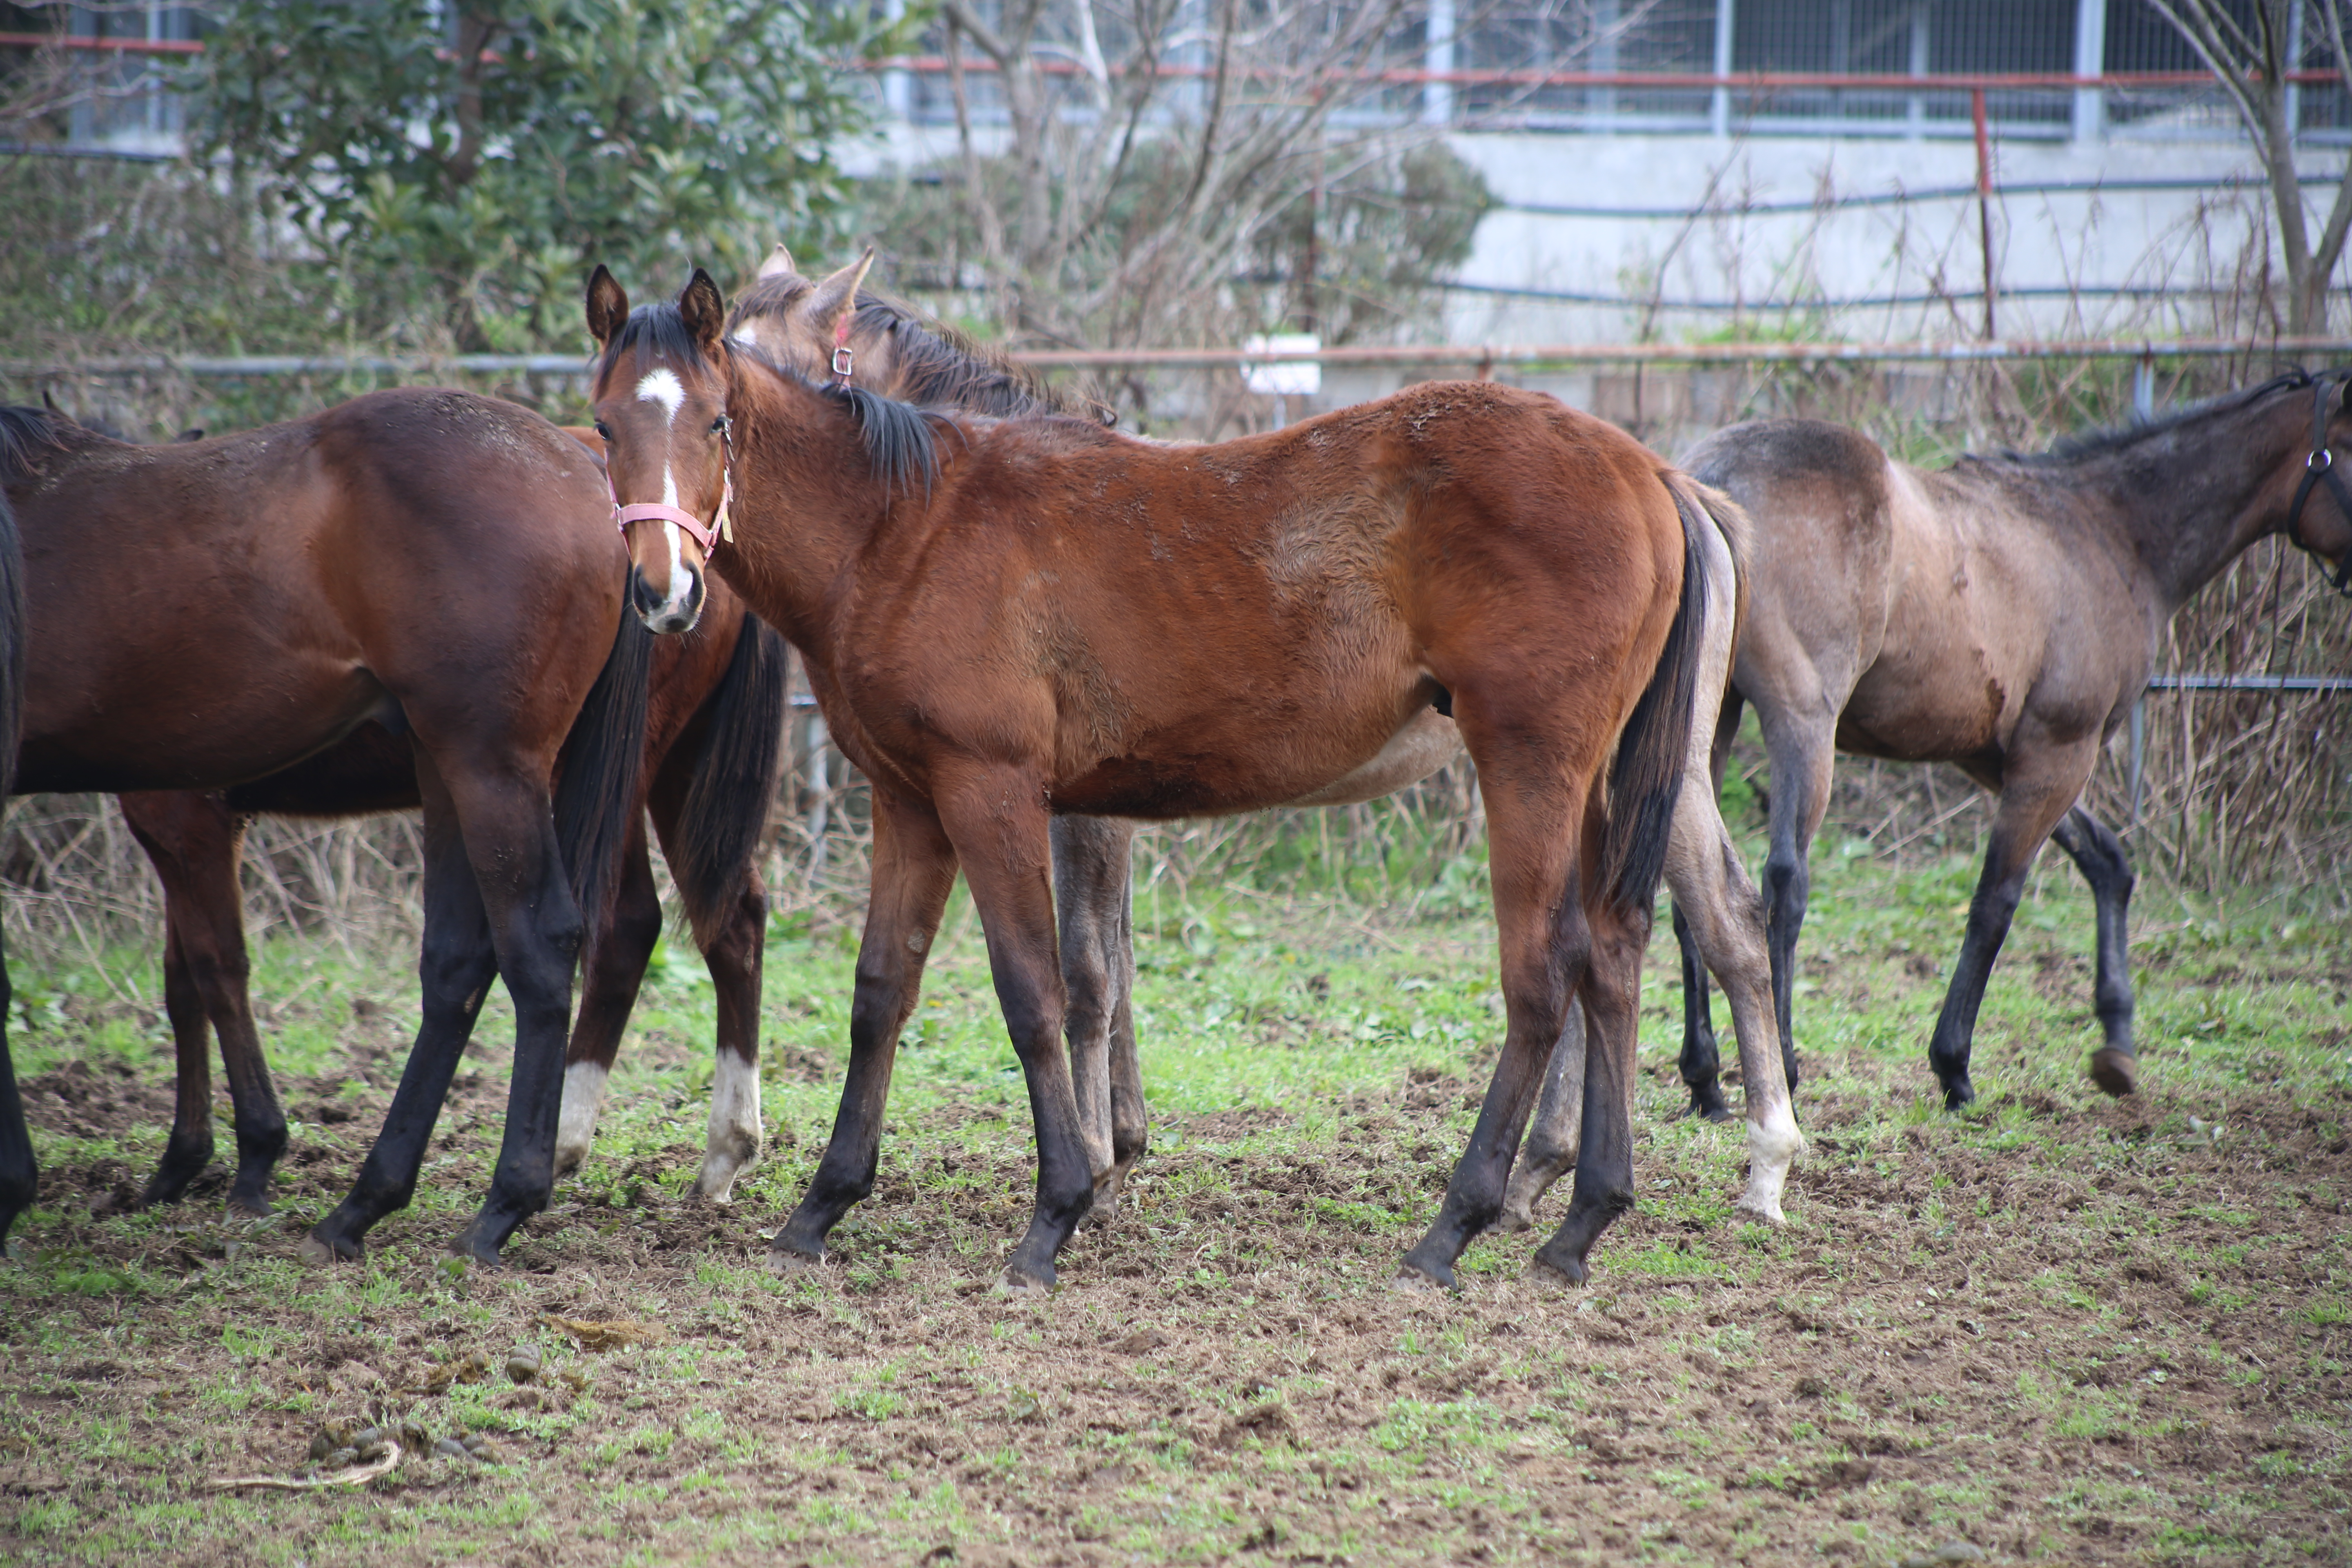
[203, 615]
[1006, 620]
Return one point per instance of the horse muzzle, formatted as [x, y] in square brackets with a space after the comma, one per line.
[673, 607]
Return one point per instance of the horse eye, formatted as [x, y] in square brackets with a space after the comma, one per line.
[604, 431]
[720, 425]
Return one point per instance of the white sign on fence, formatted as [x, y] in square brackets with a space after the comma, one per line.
[1283, 378]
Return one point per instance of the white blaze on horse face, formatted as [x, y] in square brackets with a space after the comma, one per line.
[661, 386]
[575, 1127]
[736, 1134]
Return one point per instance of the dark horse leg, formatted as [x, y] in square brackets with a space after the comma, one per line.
[20, 1178]
[1702, 1061]
[1553, 1138]
[1802, 750]
[996, 817]
[732, 951]
[914, 871]
[608, 992]
[1546, 946]
[194, 841]
[496, 902]
[2100, 854]
[1604, 1159]
[1097, 938]
[2037, 787]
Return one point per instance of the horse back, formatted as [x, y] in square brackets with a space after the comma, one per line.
[1290, 599]
[213, 612]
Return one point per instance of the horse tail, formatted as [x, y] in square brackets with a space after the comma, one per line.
[602, 766]
[734, 779]
[1738, 531]
[1645, 776]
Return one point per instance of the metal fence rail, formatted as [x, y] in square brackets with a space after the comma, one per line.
[1954, 352]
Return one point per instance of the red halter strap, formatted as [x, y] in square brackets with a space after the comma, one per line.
[842, 360]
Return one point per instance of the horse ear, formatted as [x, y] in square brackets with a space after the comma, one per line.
[608, 306]
[50, 401]
[838, 295]
[778, 265]
[703, 309]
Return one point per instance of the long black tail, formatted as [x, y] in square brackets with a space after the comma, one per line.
[1645, 777]
[603, 767]
[734, 781]
[19, 1177]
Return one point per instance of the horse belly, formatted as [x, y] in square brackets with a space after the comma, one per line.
[165, 739]
[1922, 716]
[1252, 762]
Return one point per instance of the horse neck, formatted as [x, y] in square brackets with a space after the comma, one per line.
[2194, 496]
[801, 462]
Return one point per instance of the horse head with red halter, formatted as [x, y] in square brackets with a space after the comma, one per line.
[669, 448]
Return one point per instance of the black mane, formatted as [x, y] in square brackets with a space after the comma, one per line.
[2107, 441]
[652, 332]
[24, 434]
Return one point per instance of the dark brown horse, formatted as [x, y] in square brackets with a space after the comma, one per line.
[811, 326]
[2002, 615]
[214, 612]
[1005, 620]
[715, 713]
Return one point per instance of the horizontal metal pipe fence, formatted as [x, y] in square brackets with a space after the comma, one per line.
[1372, 355]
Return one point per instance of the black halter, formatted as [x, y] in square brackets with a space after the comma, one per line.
[2317, 465]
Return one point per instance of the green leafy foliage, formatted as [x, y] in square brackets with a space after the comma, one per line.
[487, 157]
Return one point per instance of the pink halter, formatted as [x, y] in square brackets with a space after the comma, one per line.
[720, 526]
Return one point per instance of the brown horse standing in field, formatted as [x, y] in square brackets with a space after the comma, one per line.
[715, 711]
[1005, 620]
[715, 717]
[832, 327]
[2002, 615]
[214, 612]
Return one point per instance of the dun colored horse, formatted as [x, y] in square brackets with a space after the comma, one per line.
[798, 323]
[2002, 615]
[1007, 619]
[216, 613]
[715, 712]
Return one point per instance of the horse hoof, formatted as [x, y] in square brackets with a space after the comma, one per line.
[1565, 1267]
[1020, 1281]
[1959, 1093]
[2117, 1072]
[244, 1207]
[1411, 1281]
[319, 1252]
[1418, 1271]
[1513, 1220]
[1759, 1213]
[785, 1261]
[1718, 1111]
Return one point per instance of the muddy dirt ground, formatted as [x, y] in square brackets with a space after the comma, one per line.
[2059, 1327]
